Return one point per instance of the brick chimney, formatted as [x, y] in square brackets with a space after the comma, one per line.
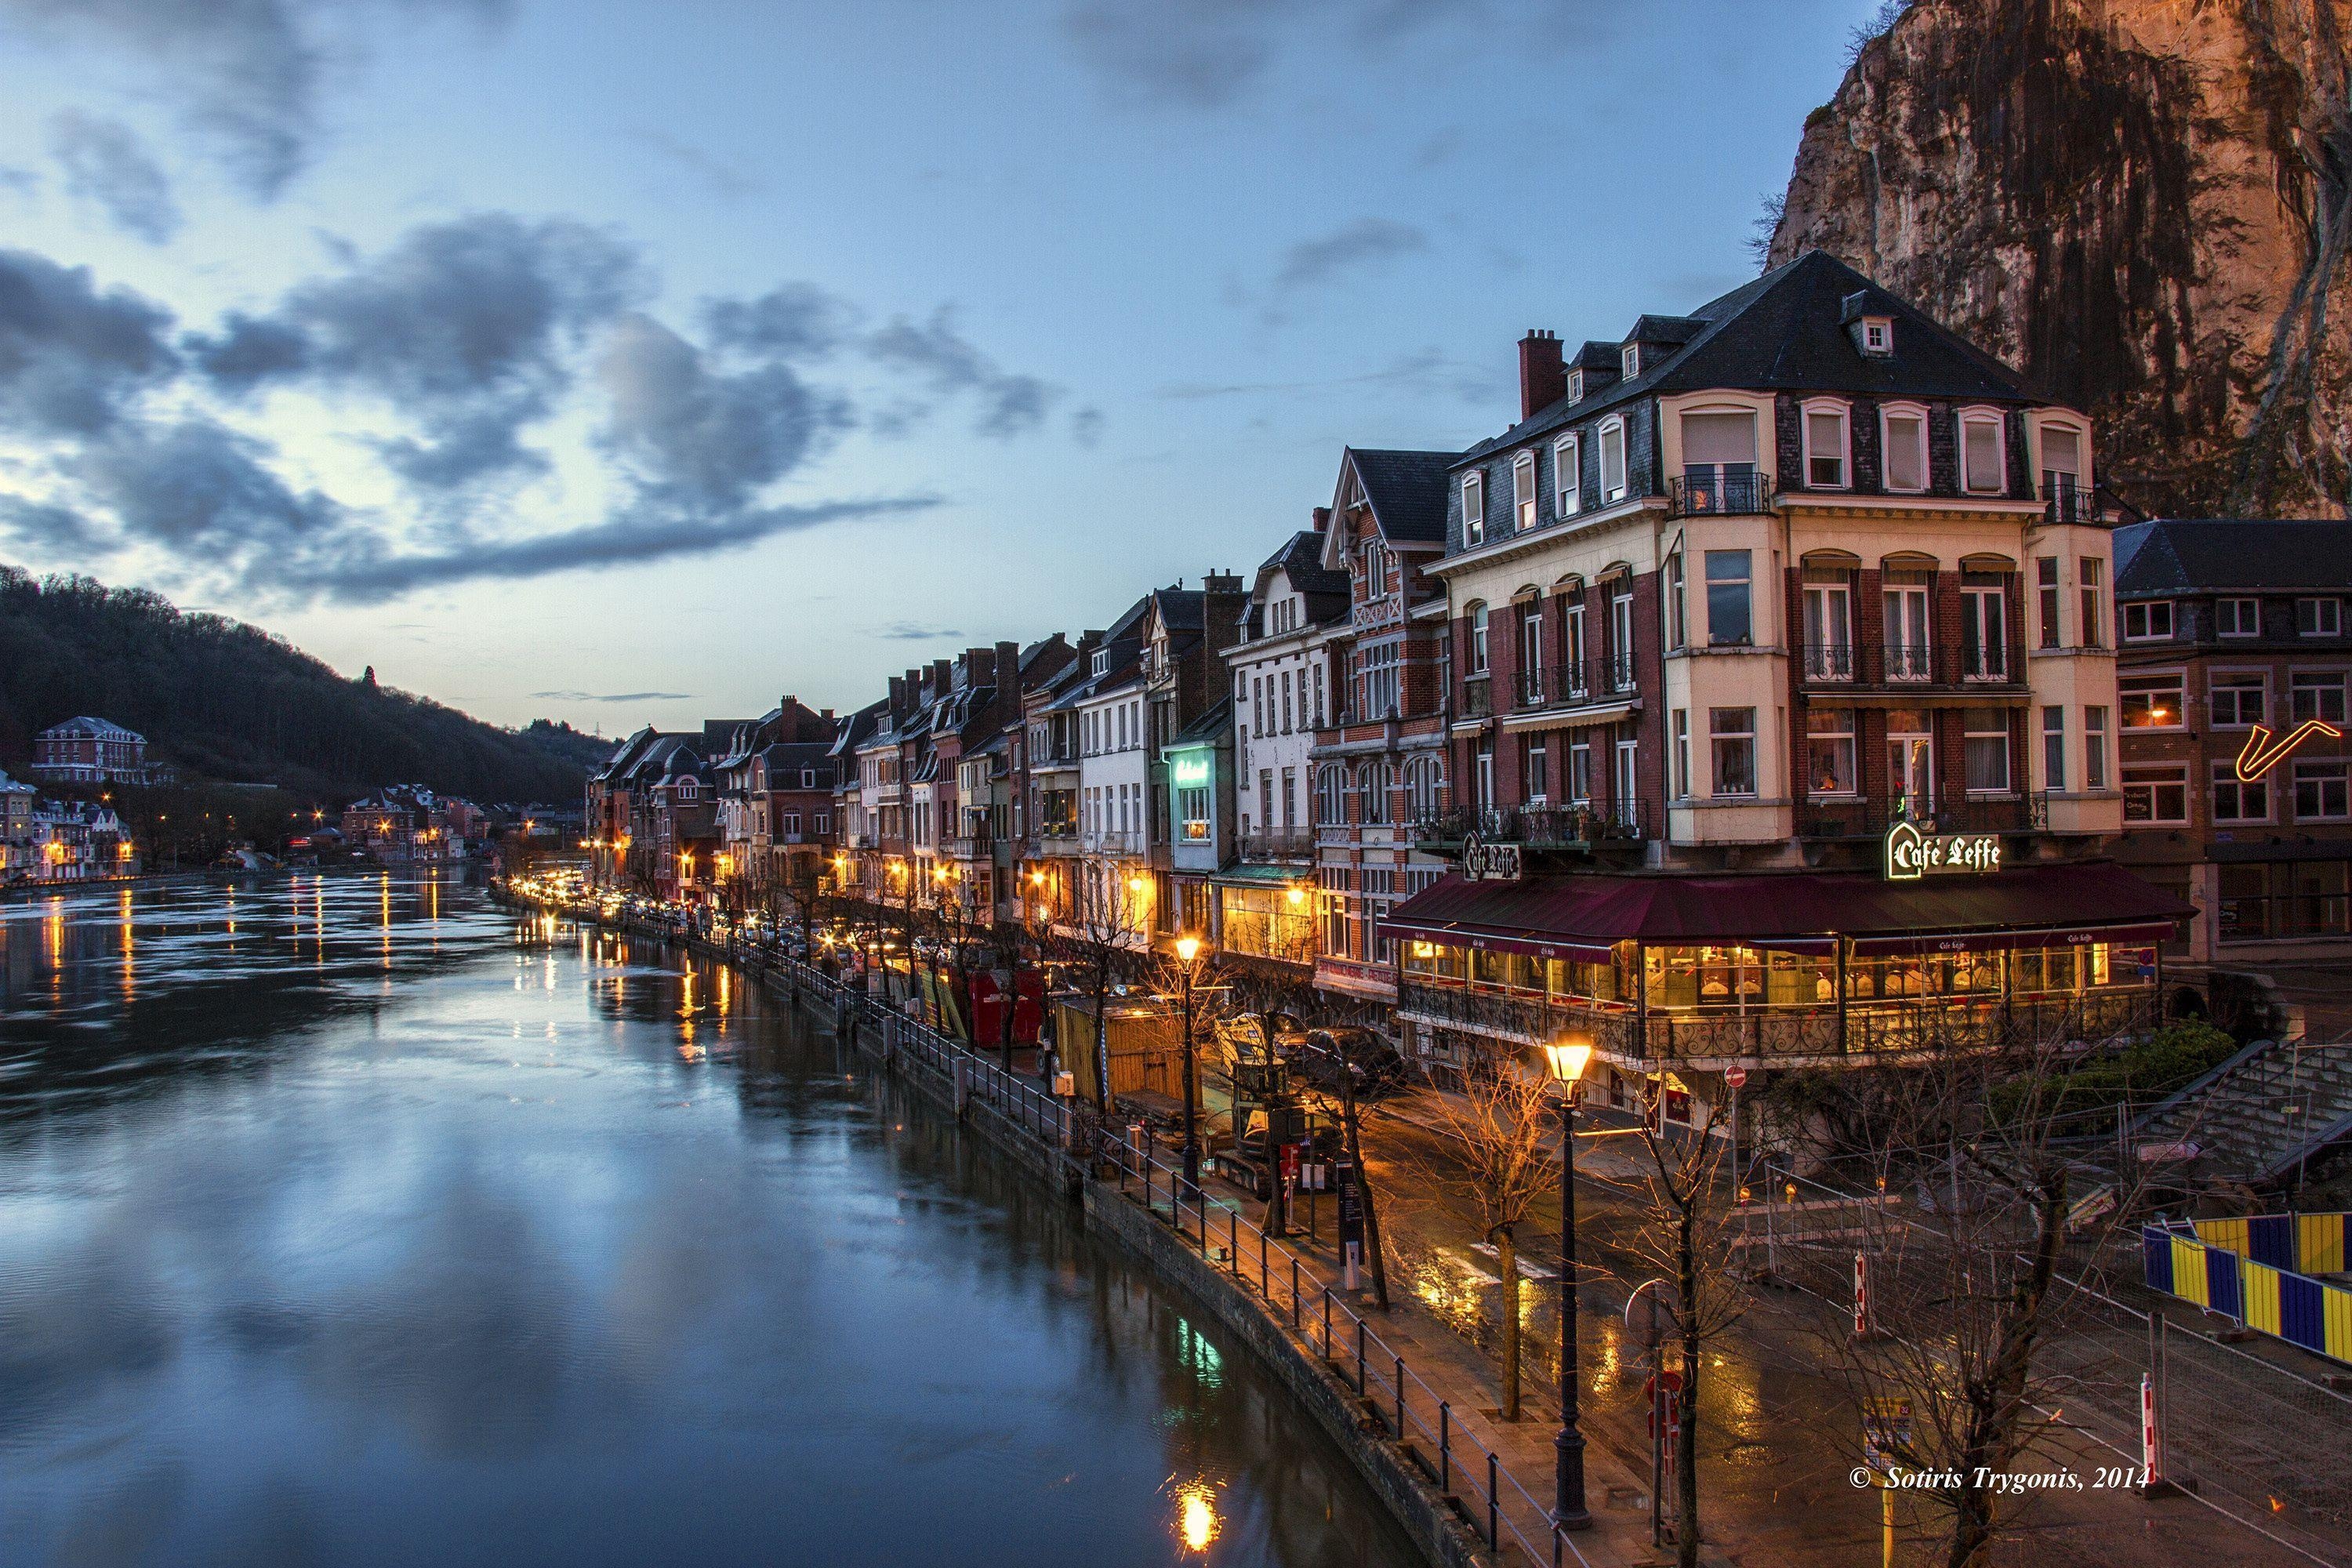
[1008, 666]
[898, 696]
[1322, 520]
[1543, 374]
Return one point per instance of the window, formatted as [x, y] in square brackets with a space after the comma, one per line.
[1421, 780]
[2088, 571]
[1620, 635]
[2239, 698]
[1572, 642]
[2316, 694]
[1477, 640]
[792, 824]
[2239, 800]
[2149, 622]
[2318, 618]
[1677, 614]
[1983, 455]
[2045, 582]
[2094, 747]
[1575, 385]
[1903, 622]
[1729, 622]
[1719, 462]
[1613, 461]
[1625, 787]
[1910, 761]
[1985, 754]
[1682, 753]
[1825, 447]
[1733, 730]
[1830, 751]
[1372, 785]
[2323, 791]
[1564, 474]
[1380, 685]
[2150, 701]
[1523, 489]
[1878, 335]
[2156, 794]
[2062, 466]
[1629, 361]
[1285, 703]
[1330, 810]
[1580, 772]
[1193, 811]
[1484, 778]
[2238, 618]
[1474, 509]
[1903, 439]
[1534, 770]
[2053, 748]
[1828, 623]
[1531, 644]
[1984, 626]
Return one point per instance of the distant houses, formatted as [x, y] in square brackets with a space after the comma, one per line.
[87, 750]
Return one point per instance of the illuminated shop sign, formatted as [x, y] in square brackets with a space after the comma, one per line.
[1484, 862]
[1190, 770]
[1912, 854]
[2259, 756]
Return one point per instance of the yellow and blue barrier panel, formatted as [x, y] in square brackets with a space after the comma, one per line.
[2257, 1271]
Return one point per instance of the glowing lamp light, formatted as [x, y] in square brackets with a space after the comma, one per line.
[1188, 948]
[1037, 878]
[1137, 885]
[1568, 1057]
[1298, 894]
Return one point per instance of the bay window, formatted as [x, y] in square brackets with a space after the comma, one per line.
[1733, 734]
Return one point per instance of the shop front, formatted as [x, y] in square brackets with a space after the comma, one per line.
[1266, 911]
[1706, 973]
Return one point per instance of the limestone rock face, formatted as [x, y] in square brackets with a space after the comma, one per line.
[2142, 204]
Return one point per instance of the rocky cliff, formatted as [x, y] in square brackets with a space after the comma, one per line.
[2143, 204]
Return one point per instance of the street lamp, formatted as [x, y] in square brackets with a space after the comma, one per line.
[1188, 951]
[1566, 1057]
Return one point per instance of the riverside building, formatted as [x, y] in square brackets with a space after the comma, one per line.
[1781, 707]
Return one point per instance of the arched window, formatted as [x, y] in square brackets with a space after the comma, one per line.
[1330, 803]
[1476, 614]
[1372, 791]
[1422, 780]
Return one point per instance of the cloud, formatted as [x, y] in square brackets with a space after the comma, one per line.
[20, 182]
[1362, 244]
[463, 325]
[245, 75]
[72, 358]
[1087, 427]
[908, 631]
[1199, 54]
[1009, 403]
[105, 162]
[708, 169]
[792, 320]
[1428, 372]
[614, 696]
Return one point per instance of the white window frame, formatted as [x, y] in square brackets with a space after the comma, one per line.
[2250, 625]
[1609, 495]
[2214, 679]
[1629, 361]
[1474, 508]
[2328, 680]
[2225, 777]
[1566, 476]
[1917, 411]
[1524, 503]
[2320, 771]
[1878, 334]
[1575, 385]
[2172, 773]
[1991, 417]
[2148, 618]
[1480, 620]
[2180, 677]
[1843, 412]
[2008, 786]
[2328, 617]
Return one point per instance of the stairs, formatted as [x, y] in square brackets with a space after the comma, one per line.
[2263, 1111]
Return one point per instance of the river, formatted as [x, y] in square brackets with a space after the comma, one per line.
[350, 1220]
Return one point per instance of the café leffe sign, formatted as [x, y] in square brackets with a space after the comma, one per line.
[1484, 862]
[1912, 853]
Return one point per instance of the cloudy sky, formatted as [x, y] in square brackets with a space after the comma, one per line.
[617, 360]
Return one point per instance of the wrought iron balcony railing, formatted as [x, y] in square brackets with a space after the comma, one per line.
[1718, 491]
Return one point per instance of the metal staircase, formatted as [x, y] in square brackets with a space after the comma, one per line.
[2261, 1115]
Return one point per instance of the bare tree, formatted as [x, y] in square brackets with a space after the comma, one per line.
[1103, 936]
[1688, 1239]
[1964, 1292]
[1498, 1130]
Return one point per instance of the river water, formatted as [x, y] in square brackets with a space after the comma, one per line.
[349, 1220]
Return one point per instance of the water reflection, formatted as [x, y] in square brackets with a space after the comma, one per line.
[343, 1220]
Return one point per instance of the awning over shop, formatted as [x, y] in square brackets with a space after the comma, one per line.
[1261, 877]
[1581, 916]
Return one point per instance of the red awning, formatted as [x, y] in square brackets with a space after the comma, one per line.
[1576, 915]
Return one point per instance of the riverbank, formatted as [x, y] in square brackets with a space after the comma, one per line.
[26, 892]
[1415, 1439]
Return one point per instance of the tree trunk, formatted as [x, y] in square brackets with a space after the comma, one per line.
[1686, 1439]
[1507, 1254]
[1364, 1193]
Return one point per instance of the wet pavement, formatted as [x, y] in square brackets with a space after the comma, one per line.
[346, 1220]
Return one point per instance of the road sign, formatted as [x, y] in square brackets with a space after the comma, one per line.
[1861, 1297]
[1665, 1392]
[1886, 1431]
[1736, 1077]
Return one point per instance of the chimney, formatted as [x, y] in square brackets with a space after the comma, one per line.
[940, 676]
[826, 714]
[1322, 520]
[1543, 376]
[898, 696]
[1222, 583]
[1008, 666]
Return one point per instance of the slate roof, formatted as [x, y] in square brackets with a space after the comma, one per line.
[1213, 725]
[2170, 555]
[1407, 493]
[86, 728]
[1785, 331]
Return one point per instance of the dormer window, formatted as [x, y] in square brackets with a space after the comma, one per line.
[1564, 474]
[1474, 509]
[1984, 457]
[1878, 335]
[1629, 361]
[1102, 662]
[1575, 385]
[1826, 456]
[1523, 489]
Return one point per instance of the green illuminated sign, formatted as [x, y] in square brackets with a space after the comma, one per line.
[1189, 771]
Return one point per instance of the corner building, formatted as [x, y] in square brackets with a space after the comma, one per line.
[1781, 706]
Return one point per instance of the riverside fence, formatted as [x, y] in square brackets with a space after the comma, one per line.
[1309, 1308]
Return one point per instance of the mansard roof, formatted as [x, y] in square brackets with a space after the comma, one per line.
[1786, 332]
[2176, 555]
[1406, 491]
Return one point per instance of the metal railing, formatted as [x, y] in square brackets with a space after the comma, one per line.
[1477, 697]
[1860, 818]
[1909, 664]
[1278, 843]
[1716, 491]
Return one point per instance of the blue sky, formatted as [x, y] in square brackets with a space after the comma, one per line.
[831, 338]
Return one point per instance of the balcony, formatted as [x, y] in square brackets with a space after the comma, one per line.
[1477, 697]
[1114, 841]
[2065, 500]
[1278, 844]
[1540, 827]
[1721, 492]
[1859, 818]
[1907, 665]
[1587, 682]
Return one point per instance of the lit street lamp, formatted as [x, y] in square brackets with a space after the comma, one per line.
[1566, 1057]
[1188, 951]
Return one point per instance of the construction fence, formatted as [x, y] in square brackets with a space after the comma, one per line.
[2257, 1271]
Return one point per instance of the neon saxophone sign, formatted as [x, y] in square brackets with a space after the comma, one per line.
[2259, 756]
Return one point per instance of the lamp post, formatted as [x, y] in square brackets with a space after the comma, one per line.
[1566, 1057]
[1188, 950]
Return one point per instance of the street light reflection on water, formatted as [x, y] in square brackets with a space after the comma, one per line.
[586, 1302]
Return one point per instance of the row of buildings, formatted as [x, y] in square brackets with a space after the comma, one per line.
[1782, 687]
[44, 840]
